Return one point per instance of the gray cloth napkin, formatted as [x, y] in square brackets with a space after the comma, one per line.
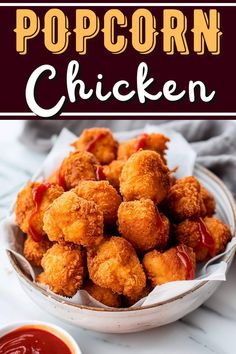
[214, 141]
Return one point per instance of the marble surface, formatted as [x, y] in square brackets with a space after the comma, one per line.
[209, 329]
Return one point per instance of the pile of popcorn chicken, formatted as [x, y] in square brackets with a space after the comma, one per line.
[114, 220]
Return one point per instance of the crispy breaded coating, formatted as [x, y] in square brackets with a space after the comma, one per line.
[156, 142]
[127, 302]
[141, 224]
[77, 166]
[208, 201]
[74, 219]
[64, 269]
[30, 206]
[25, 206]
[53, 177]
[193, 234]
[115, 265]
[145, 175]
[103, 295]
[104, 195]
[100, 142]
[113, 172]
[184, 199]
[178, 263]
[34, 251]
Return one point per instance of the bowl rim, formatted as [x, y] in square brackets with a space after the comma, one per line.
[64, 301]
[50, 327]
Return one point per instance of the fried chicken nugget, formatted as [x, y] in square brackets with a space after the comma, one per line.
[100, 142]
[103, 295]
[25, 206]
[127, 302]
[207, 236]
[184, 199]
[104, 195]
[208, 201]
[112, 172]
[115, 265]
[141, 224]
[77, 166]
[31, 204]
[34, 251]
[74, 219]
[156, 142]
[64, 269]
[145, 175]
[178, 263]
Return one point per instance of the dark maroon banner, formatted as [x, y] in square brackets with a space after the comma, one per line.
[217, 72]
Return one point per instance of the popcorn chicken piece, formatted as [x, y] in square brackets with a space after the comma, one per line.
[74, 219]
[100, 142]
[145, 175]
[155, 142]
[184, 199]
[177, 263]
[103, 295]
[31, 204]
[104, 195]
[208, 201]
[77, 166]
[115, 265]
[141, 224]
[64, 269]
[207, 237]
[34, 251]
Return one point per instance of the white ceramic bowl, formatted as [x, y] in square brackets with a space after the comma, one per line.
[51, 328]
[131, 319]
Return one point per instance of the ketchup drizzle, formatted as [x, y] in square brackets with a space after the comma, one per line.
[38, 193]
[206, 238]
[184, 257]
[94, 141]
[141, 142]
[100, 175]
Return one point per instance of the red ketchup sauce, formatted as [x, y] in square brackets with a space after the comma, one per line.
[94, 141]
[38, 193]
[158, 218]
[184, 257]
[141, 142]
[206, 240]
[27, 340]
[100, 175]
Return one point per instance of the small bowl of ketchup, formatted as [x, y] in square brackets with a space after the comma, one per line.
[36, 337]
